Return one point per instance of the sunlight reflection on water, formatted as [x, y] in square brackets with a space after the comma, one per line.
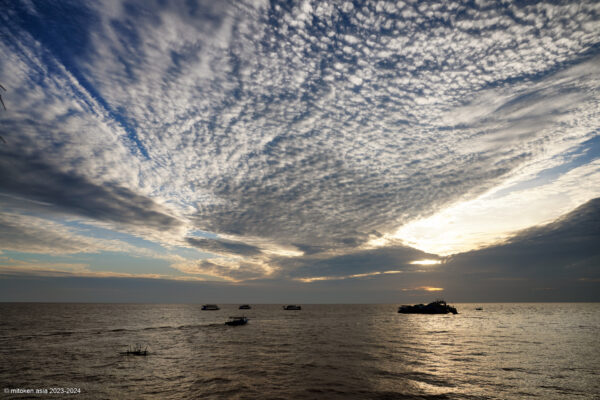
[324, 351]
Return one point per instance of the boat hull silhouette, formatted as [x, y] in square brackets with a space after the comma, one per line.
[437, 307]
[236, 321]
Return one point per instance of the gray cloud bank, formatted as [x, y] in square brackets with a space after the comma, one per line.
[552, 255]
[227, 246]
[391, 258]
[558, 261]
[54, 191]
[567, 249]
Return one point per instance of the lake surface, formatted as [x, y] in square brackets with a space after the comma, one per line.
[506, 351]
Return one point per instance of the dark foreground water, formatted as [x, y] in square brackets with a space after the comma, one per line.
[506, 351]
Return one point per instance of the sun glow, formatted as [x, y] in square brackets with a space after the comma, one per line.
[338, 278]
[425, 288]
[426, 262]
[498, 214]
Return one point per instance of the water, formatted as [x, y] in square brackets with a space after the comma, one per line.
[506, 351]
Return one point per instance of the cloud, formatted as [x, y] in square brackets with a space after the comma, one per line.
[18, 268]
[289, 127]
[28, 234]
[360, 263]
[56, 191]
[424, 288]
[566, 249]
[337, 278]
[9, 266]
[225, 269]
[562, 255]
[500, 213]
[224, 246]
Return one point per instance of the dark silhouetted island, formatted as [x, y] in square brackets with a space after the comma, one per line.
[437, 307]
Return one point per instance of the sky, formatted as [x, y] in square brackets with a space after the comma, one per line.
[298, 151]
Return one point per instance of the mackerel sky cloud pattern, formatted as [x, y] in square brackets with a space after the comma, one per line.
[251, 140]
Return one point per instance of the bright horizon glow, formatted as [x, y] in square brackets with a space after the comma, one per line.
[335, 278]
[426, 262]
[424, 288]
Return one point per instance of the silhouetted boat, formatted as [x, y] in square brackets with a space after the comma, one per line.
[210, 307]
[437, 307]
[244, 307]
[479, 308]
[135, 351]
[234, 321]
[292, 307]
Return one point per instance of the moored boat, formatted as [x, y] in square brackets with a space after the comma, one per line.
[292, 307]
[135, 351]
[437, 307]
[210, 307]
[244, 307]
[234, 321]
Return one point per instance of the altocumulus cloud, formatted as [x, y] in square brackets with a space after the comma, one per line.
[313, 127]
[226, 246]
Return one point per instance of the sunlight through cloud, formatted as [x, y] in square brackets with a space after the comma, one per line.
[424, 288]
[426, 262]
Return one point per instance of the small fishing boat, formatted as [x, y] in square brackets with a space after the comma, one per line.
[234, 321]
[292, 307]
[135, 351]
[244, 307]
[479, 309]
[437, 307]
[210, 307]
